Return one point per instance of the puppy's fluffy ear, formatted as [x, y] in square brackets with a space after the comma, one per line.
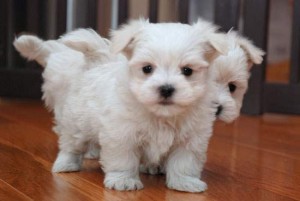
[216, 41]
[218, 45]
[123, 38]
[255, 55]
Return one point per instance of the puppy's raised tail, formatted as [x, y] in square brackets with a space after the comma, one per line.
[91, 44]
[29, 47]
[34, 48]
[84, 40]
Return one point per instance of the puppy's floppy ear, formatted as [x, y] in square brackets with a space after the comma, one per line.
[217, 42]
[123, 38]
[217, 45]
[255, 55]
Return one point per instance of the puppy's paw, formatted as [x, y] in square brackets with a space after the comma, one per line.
[67, 162]
[65, 167]
[151, 169]
[122, 183]
[188, 184]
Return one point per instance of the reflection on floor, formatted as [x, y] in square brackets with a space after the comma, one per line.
[255, 158]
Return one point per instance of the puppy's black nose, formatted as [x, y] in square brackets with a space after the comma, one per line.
[219, 110]
[166, 91]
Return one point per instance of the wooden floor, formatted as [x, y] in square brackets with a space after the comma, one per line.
[256, 158]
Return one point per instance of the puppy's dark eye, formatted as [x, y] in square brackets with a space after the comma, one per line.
[232, 87]
[187, 71]
[147, 69]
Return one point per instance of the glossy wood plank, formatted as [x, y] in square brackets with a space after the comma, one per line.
[23, 172]
[7, 192]
[270, 133]
[236, 164]
[30, 112]
[255, 158]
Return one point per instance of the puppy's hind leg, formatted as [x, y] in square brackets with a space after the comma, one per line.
[67, 162]
[69, 158]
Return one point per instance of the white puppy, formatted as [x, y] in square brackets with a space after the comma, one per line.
[232, 72]
[156, 105]
[93, 51]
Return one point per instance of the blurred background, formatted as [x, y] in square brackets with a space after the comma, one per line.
[273, 25]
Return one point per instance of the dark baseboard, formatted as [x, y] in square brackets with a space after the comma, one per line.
[282, 98]
[20, 83]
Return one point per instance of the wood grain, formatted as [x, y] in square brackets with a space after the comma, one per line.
[255, 158]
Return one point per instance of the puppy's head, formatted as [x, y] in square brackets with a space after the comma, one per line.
[168, 62]
[231, 73]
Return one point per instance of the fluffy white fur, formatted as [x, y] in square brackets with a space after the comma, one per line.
[34, 48]
[231, 69]
[95, 48]
[234, 69]
[119, 106]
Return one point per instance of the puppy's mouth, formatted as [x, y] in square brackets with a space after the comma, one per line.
[219, 110]
[166, 102]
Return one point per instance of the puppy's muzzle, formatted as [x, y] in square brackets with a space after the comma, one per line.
[166, 91]
[219, 110]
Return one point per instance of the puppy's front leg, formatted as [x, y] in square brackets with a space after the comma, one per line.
[120, 163]
[183, 170]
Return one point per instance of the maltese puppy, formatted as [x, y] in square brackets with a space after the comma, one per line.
[231, 73]
[155, 105]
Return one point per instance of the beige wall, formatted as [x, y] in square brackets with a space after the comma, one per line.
[104, 17]
[167, 11]
[138, 8]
